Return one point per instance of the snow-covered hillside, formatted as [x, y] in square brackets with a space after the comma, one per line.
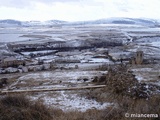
[14, 23]
[44, 23]
[128, 21]
[10, 23]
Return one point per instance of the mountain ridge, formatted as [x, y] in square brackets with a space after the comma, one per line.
[130, 21]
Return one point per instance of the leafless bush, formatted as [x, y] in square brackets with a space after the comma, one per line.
[127, 94]
[3, 82]
[21, 108]
[118, 80]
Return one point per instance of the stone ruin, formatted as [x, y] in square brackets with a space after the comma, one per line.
[138, 59]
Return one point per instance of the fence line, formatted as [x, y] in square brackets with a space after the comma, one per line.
[53, 89]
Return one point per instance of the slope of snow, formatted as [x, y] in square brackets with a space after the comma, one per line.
[66, 101]
[128, 21]
[76, 103]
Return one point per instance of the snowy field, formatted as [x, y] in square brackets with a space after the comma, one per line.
[65, 100]
[88, 61]
[69, 101]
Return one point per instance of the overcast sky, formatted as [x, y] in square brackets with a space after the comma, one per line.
[78, 10]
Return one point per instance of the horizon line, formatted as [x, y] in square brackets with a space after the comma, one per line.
[81, 20]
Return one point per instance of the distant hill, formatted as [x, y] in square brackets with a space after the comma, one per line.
[131, 21]
[45, 23]
[128, 21]
[10, 22]
[13, 23]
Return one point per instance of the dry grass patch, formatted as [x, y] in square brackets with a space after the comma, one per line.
[20, 108]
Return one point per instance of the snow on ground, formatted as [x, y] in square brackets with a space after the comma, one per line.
[65, 100]
[11, 37]
[156, 44]
[99, 60]
[146, 74]
[36, 52]
[150, 42]
[63, 75]
[85, 66]
[71, 101]
[4, 48]
[46, 58]
[139, 77]
[142, 69]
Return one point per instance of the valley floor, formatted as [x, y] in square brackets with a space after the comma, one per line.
[80, 65]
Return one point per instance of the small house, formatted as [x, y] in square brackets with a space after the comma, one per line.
[11, 62]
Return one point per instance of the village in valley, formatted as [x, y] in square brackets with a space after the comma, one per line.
[37, 58]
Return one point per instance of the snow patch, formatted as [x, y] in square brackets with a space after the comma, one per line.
[73, 102]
